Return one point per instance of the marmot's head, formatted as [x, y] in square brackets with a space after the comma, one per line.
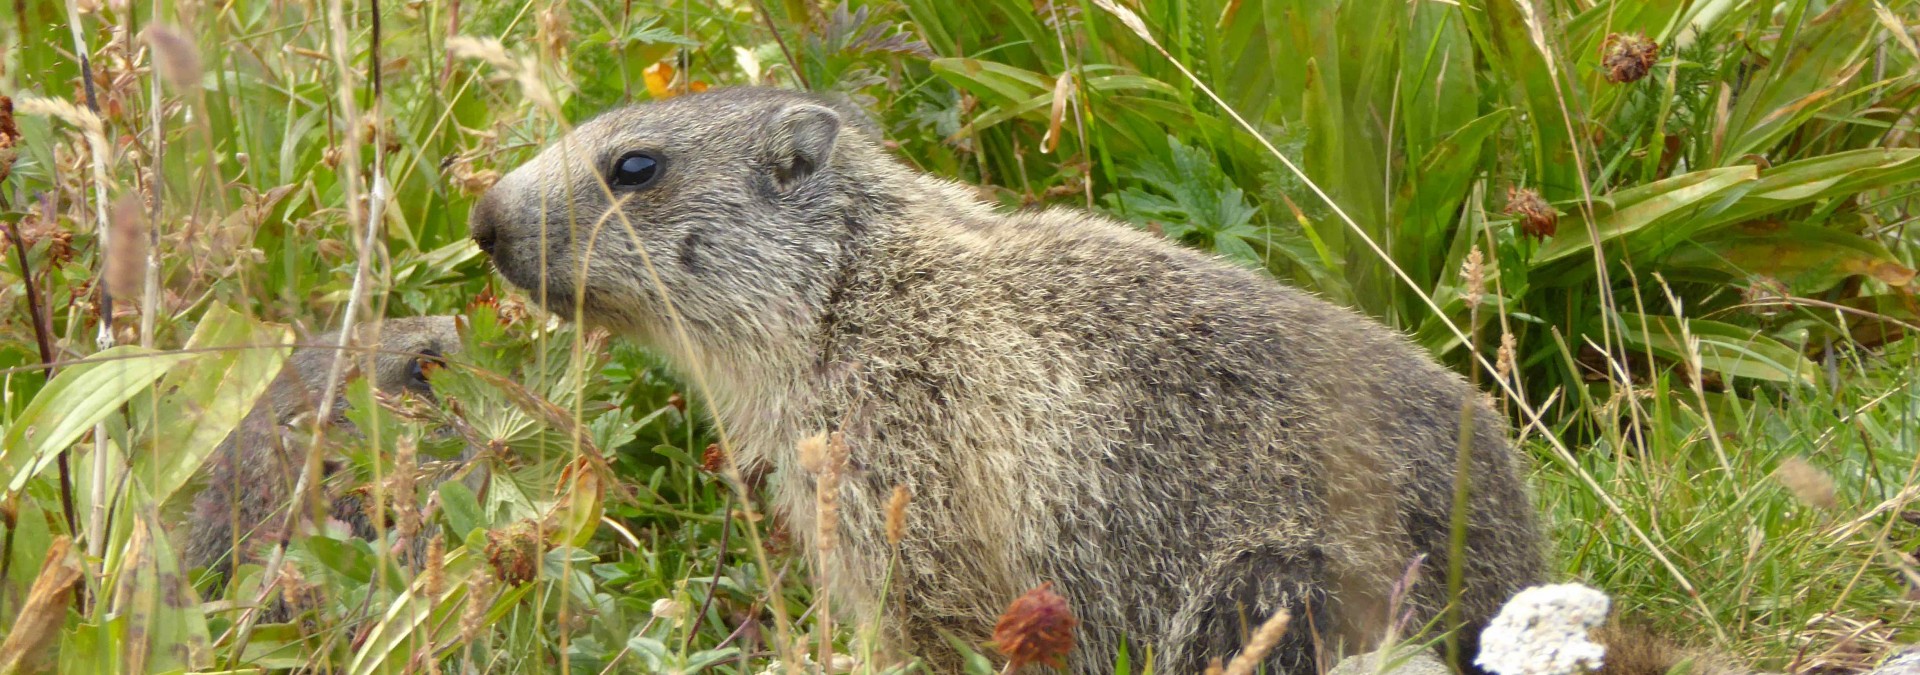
[742, 201]
[404, 350]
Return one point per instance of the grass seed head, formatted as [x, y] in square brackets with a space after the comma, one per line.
[897, 515]
[1808, 483]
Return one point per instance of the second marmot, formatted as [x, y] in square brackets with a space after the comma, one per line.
[1180, 445]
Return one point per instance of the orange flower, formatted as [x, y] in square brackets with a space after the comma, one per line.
[660, 78]
[1036, 628]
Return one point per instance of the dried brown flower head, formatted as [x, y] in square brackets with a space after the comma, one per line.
[1764, 294]
[1627, 58]
[514, 553]
[1538, 219]
[1036, 628]
[9, 138]
[714, 459]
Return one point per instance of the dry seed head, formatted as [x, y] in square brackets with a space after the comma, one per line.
[552, 31]
[1538, 219]
[813, 453]
[1474, 275]
[827, 493]
[127, 267]
[1807, 483]
[175, 55]
[897, 515]
[1503, 361]
[1262, 642]
[1628, 57]
[1036, 628]
[435, 571]
[473, 618]
[9, 138]
[1214, 667]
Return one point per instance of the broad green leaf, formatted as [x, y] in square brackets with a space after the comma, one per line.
[1817, 178]
[1644, 207]
[997, 83]
[389, 644]
[1501, 29]
[165, 627]
[1810, 64]
[1808, 259]
[204, 400]
[1724, 348]
[79, 397]
[461, 508]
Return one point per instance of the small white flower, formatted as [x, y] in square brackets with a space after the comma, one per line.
[668, 609]
[1544, 631]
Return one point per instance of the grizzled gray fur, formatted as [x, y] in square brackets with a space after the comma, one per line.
[1181, 445]
[250, 477]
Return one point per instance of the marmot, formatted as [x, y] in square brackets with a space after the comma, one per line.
[251, 475]
[1181, 445]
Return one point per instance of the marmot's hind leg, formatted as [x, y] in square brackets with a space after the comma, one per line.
[1244, 587]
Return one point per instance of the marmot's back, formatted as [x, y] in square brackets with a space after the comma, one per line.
[1181, 443]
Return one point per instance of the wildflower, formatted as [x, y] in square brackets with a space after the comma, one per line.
[1537, 217]
[514, 553]
[714, 459]
[1628, 57]
[668, 608]
[1544, 630]
[1036, 628]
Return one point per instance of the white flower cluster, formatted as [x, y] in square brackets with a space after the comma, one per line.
[1544, 631]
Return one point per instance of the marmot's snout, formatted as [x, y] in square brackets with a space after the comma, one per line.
[485, 222]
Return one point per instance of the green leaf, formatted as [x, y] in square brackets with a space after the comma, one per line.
[461, 508]
[79, 397]
[1807, 258]
[205, 399]
[1724, 348]
[1639, 208]
[995, 83]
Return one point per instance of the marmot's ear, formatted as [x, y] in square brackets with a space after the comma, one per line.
[801, 142]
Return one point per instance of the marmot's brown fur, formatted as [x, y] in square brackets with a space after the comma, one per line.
[251, 475]
[1181, 445]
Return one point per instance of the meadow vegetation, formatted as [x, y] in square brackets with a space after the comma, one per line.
[1674, 239]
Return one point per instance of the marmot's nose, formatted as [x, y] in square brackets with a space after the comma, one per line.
[484, 222]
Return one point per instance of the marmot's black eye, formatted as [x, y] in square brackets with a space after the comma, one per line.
[634, 170]
[418, 368]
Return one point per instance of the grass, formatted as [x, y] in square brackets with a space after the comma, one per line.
[1698, 287]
